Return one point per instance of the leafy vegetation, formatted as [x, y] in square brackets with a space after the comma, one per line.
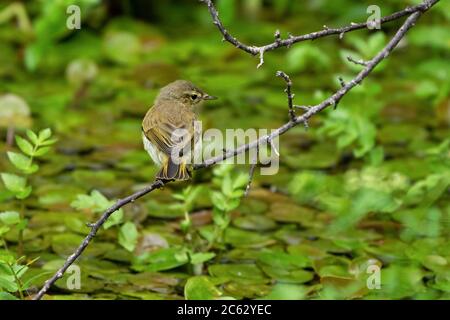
[11, 271]
[366, 187]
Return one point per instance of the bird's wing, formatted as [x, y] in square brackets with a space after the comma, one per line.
[167, 135]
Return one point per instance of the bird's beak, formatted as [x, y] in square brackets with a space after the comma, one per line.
[208, 97]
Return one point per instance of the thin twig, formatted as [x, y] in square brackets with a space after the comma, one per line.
[261, 58]
[272, 145]
[290, 95]
[277, 36]
[332, 100]
[360, 61]
[252, 171]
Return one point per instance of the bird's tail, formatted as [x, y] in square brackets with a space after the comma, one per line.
[173, 171]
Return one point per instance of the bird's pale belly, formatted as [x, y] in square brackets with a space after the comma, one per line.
[157, 156]
[154, 153]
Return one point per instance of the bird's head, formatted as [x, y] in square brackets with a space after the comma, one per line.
[185, 92]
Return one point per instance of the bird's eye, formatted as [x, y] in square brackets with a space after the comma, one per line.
[194, 96]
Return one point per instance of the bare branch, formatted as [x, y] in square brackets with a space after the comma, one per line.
[226, 35]
[304, 108]
[332, 100]
[278, 43]
[94, 228]
[310, 111]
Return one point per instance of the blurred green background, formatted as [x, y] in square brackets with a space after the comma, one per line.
[368, 184]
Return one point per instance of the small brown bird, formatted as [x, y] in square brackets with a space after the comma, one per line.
[168, 129]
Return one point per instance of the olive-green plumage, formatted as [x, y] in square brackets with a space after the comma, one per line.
[168, 128]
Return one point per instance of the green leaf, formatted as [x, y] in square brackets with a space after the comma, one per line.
[366, 136]
[201, 257]
[20, 270]
[227, 185]
[45, 134]
[32, 136]
[49, 142]
[220, 219]
[287, 291]
[24, 193]
[237, 193]
[96, 202]
[219, 201]
[83, 202]
[208, 233]
[25, 146]
[364, 201]
[14, 183]
[22, 162]
[32, 169]
[369, 200]
[200, 288]
[400, 281]
[100, 200]
[10, 217]
[181, 255]
[376, 156]
[282, 260]
[192, 194]
[163, 259]
[128, 236]
[22, 224]
[3, 230]
[5, 259]
[31, 280]
[41, 151]
[232, 204]
[420, 222]
[178, 196]
[241, 181]
[114, 219]
[243, 238]
[32, 57]
[185, 225]
[242, 271]
[7, 282]
[428, 190]
[7, 296]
